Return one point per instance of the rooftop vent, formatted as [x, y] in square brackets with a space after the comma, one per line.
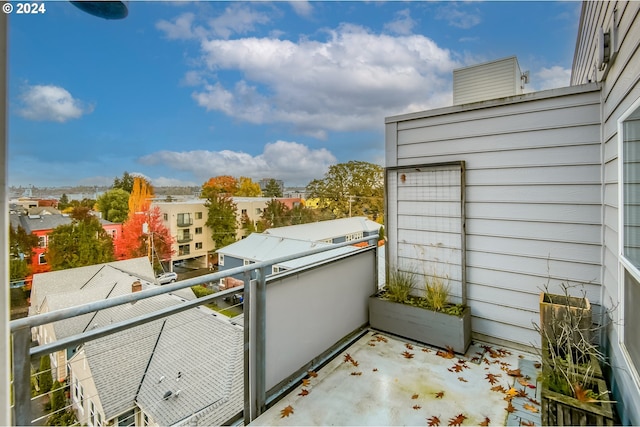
[490, 80]
[136, 286]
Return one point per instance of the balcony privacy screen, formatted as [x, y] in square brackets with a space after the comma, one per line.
[425, 223]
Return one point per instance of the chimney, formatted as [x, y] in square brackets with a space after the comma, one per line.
[136, 286]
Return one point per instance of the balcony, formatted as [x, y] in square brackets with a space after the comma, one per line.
[184, 237]
[169, 354]
[184, 221]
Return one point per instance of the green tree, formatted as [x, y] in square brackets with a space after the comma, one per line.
[84, 203]
[247, 225]
[355, 188]
[275, 214]
[272, 189]
[114, 205]
[21, 246]
[63, 203]
[81, 243]
[45, 379]
[125, 183]
[301, 214]
[221, 219]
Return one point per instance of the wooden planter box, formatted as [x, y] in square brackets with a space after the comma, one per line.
[557, 308]
[420, 324]
[560, 410]
[593, 364]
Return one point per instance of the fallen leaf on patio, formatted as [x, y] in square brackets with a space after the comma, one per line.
[492, 378]
[462, 380]
[409, 346]
[415, 396]
[456, 368]
[525, 383]
[313, 374]
[498, 388]
[355, 363]
[371, 344]
[449, 354]
[356, 374]
[475, 359]
[510, 409]
[375, 369]
[457, 420]
[530, 408]
[521, 393]
[535, 402]
[537, 365]
[440, 395]
[512, 392]
[527, 423]
[426, 350]
[306, 382]
[304, 392]
[286, 411]
[381, 338]
[503, 352]
[485, 422]
[461, 361]
[433, 421]
[416, 407]
[407, 355]
[521, 356]
[348, 358]
[486, 361]
[514, 373]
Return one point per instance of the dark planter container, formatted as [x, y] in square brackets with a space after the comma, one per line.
[420, 324]
[561, 410]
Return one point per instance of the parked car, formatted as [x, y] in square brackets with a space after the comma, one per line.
[168, 277]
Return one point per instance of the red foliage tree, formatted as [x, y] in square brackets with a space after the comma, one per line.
[135, 242]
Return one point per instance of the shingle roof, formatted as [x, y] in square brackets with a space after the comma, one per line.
[322, 230]
[261, 247]
[43, 222]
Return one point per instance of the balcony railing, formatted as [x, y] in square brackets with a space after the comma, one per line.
[184, 238]
[270, 304]
[184, 222]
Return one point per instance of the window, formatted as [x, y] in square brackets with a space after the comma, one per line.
[198, 230]
[184, 220]
[630, 239]
[184, 250]
[165, 217]
[220, 259]
[243, 212]
[79, 396]
[198, 215]
[42, 259]
[248, 262]
[198, 245]
[42, 241]
[95, 419]
[275, 269]
[353, 236]
[258, 211]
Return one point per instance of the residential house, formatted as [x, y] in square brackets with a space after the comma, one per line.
[330, 231]
[259, 247]
[186, 221]
[156, 384]
[512, 193]
[252, 207]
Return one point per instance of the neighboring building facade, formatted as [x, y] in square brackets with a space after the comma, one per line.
[252, 207]
[507, 196]
[186, 221]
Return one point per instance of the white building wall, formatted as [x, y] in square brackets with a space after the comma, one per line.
[620, 82]
[485, 81]
[533, 197]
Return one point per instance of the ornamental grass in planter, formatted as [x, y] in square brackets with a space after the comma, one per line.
[573, 391]
[430, 319]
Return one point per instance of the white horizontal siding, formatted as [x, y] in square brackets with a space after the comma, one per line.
[486, 81]
[533, 202]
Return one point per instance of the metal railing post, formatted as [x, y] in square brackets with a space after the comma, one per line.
[22, 377]
[261, 325]
[249, 408]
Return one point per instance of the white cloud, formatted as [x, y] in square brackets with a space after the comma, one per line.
[172, 182]
[180, 28]
[350, 81]
[237, 19]
[302, 7]
[289, 161]
[458, 16]
[403, 24]
[51, 103]
[550, 78]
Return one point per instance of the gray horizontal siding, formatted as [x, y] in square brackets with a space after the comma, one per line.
[533, 202]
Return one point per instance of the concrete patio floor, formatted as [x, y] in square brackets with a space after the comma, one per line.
[385, 380]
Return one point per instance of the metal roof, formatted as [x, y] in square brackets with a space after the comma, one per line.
[322, 230]
[261, 247]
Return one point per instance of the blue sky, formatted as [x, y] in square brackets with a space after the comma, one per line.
[182, 91]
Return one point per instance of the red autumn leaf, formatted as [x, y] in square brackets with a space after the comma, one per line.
[492, 378]
[415, 396]
[416, 407]
[409, 346]
[286, 411]
[525, 383]
[407, 355]
[303, 392]
[312, 374]
[433, 421]
[457, 420]
[440, 395]
[485, 422]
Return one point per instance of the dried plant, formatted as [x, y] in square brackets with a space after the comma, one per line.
[436, 292]
[399, 285]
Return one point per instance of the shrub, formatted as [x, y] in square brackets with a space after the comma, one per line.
[45, 379]
[399, 285]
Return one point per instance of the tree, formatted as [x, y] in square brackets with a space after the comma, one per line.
[275, 214]
[141, 195]
[45, 379]
[114, 205]
[300, 214]
[248, 188]
[136, 243]
[221, 219]
[272, 189]
[21, 246]
[220, 185]
[81, 243]
[247, 225]
[355, 188]
[63, 203]
[125, 183]
[86, 203]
